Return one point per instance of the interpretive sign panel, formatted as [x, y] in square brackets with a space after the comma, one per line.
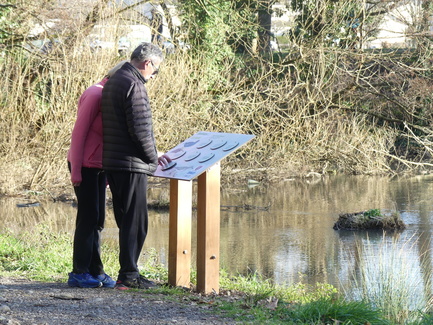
[196, 154]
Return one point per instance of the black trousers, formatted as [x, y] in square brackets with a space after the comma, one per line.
[90, 221]
[129, 192]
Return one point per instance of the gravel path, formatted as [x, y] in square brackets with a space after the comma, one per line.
[32, 303]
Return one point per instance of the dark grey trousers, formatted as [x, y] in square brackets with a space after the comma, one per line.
[90, 221]
[129, 192]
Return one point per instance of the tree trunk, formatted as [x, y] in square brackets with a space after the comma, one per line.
[425, 24]
[264, 32]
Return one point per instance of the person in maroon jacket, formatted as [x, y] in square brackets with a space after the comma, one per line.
[88, 179]
[130, 155]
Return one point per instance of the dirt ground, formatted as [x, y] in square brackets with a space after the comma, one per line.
[35, 303]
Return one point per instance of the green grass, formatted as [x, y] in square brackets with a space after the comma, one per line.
[45, 256]
[39, 255]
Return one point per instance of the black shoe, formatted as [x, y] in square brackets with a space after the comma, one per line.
[138, 283]
[146, 283]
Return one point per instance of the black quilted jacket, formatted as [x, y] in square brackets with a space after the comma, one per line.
[129, 143]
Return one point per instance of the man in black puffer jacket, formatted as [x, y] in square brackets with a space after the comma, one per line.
[130, 155]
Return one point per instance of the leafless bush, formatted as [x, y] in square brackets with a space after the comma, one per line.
[320, 109]
[37, 116]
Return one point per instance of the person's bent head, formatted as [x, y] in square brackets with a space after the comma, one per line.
[147, 57]
[113, 70]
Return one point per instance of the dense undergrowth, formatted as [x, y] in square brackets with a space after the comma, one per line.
[321, 110]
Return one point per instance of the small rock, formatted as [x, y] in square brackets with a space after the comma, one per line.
[4, 309]
[158, 302]
[67, 296]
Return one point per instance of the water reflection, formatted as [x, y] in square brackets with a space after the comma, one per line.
[59, 217]
[293, 239]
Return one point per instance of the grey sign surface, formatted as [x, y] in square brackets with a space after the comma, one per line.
[196, 154]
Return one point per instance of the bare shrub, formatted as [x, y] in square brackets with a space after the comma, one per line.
[298, 127]
[318, 109]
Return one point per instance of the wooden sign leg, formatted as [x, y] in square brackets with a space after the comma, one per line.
[208, 230]
[179, 246]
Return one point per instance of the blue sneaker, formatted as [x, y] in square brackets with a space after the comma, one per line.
[83, 280]
[106, 280]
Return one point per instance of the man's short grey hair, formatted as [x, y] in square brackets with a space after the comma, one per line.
[147, 51]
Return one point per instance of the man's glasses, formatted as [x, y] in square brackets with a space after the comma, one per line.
[155, 69]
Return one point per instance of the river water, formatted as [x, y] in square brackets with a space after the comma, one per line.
[285, 231]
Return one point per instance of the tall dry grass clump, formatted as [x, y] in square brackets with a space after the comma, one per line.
[386, 277]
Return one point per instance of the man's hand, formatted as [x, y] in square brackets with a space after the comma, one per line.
[163, 160]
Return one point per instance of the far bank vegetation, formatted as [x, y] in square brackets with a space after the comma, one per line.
[314, 105]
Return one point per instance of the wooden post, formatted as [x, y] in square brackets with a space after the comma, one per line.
[179, 246]
[208, 230]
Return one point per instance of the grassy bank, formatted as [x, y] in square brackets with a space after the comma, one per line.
[253, 300]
